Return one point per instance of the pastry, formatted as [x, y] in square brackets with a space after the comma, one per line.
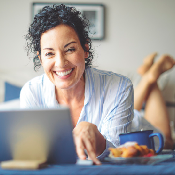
[131, 150]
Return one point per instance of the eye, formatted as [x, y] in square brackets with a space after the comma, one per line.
[70, 50]
[49, 54]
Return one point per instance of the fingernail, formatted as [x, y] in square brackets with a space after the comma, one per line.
[83, 157]
[98, 162]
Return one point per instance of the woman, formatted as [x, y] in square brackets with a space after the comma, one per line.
[101, 102]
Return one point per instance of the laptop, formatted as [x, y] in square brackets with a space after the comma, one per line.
[37, 134]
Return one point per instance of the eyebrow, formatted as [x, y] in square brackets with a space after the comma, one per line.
[64, 46]
[69, 44]
[48, 49]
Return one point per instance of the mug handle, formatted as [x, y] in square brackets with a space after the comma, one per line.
[161, 141]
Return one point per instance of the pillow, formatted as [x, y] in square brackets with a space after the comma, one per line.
[11, 91]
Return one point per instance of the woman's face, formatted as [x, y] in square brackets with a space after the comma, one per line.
[62, 56]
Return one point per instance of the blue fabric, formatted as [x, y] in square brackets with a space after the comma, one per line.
[166, 167]
[11, 91]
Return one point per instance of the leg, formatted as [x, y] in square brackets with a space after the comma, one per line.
[147, 63]
[147, 90]
[156, 113]
[141, 92]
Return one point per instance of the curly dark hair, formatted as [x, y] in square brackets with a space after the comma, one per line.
[52, 16]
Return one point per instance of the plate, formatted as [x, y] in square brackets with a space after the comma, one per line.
[139, 160]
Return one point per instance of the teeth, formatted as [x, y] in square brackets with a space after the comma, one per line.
[61, 74]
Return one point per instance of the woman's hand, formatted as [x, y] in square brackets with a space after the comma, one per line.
[87, 136]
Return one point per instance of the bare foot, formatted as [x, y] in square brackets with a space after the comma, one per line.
[164, 64]
[147, 63]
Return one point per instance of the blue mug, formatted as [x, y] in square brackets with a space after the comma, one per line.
[143, 138]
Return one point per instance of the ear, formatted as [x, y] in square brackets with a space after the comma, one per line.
[39, 56]
[86, 53]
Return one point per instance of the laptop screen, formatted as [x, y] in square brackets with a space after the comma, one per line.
[37, 134]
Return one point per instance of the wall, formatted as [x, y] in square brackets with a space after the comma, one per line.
[133, 29]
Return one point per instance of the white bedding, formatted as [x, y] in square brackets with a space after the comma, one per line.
[12, 104]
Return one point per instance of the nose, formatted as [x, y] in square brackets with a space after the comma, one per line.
[60, 60]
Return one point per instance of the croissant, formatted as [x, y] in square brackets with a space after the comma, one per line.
[134, 150]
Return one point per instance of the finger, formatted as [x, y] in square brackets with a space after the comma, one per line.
[92, 157]
[90, 147]
[80, 149]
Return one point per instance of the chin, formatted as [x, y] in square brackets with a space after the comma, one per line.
[63, 87]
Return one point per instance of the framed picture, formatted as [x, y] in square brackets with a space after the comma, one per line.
[93, 12]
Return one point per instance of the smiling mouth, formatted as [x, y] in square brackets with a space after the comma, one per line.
[65, 73]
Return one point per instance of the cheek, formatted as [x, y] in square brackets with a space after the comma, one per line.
[79, 58]
[47, 65]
